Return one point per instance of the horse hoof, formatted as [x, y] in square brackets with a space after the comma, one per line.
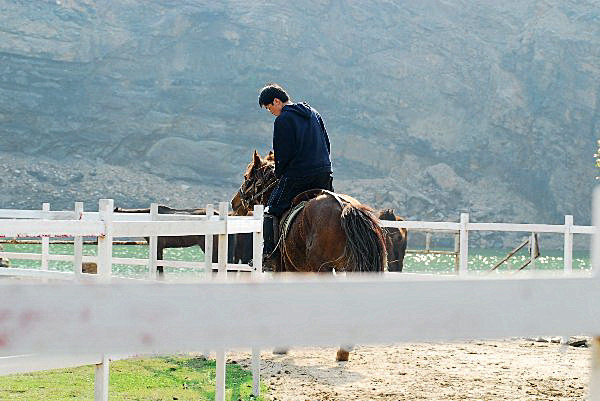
[342, 355]
[280, 351]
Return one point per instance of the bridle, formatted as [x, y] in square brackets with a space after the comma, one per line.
[252, 195]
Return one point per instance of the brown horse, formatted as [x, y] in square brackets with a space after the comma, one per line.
[239, 248]
[331, 232]
[395, 241]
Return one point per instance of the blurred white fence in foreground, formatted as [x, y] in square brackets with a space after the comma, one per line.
[144, 317]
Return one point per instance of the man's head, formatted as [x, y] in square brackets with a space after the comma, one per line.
[273, 97]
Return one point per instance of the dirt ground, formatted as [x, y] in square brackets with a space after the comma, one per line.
[476, 370]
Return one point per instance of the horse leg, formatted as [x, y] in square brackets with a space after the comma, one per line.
[344, 352]
[159, 256]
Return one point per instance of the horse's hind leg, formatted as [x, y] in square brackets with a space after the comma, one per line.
[344, 352]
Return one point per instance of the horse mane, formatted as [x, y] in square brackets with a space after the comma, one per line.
[249, 168]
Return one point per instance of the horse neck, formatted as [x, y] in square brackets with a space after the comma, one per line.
[264, 198]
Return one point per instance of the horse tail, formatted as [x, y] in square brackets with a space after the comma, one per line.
[365, 244]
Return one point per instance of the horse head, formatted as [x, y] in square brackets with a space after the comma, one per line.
[259, 180]
[396, 240]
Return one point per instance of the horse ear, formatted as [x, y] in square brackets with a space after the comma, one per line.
[257, 159]
[270, 156]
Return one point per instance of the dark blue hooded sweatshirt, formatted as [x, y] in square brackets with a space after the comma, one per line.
[300, 142]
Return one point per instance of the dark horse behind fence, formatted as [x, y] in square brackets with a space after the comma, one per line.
[395, 241]
[332, 231]
[239, 245]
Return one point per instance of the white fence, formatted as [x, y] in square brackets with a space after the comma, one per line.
[46, 223]
[219, 314]
[106, 225]
[464, 227]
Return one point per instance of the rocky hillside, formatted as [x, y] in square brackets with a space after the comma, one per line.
[433, 107]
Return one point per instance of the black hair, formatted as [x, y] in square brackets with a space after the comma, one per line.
[270, 92]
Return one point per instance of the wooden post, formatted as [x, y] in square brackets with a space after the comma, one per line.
[257, 243]
[78, 243]
[153, 245]
[220, 386]
[464, 244]
[106, 207]
[568, 247]
[223, 210]
[45, 242]
[208, 245]
[101, 380]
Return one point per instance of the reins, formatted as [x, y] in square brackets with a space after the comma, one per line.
[264, 190]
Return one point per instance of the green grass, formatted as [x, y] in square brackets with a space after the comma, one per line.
[152, 379]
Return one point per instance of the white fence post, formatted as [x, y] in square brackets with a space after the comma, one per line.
[45, 242]
[106, 207]
[208, 245]
[208, 252]
[594, 389]
[102, 372]
[532, 246]
[464, 244]
[223, 210]
[220, 380]
[257, 242]
[568, 248]
[255, 372]
[153, 245]
[222, 273]
[78, 243]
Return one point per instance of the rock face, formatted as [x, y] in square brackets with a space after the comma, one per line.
[433, 108]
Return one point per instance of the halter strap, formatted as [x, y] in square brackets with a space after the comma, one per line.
[245, 200]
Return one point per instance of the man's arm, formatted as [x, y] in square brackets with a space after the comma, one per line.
[283, 145]
[324, 133]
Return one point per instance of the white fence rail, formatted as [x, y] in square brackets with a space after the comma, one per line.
[122, 318]
[153, 224]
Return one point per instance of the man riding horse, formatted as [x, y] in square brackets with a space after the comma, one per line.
[302, 156]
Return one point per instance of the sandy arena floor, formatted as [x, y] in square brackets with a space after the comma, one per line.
[477, 370]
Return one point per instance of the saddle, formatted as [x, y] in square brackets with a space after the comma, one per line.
[298, 203]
